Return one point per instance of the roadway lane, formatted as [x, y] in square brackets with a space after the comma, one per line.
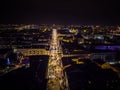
[56, 77]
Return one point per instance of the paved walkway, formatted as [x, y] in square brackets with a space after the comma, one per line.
[56, 77]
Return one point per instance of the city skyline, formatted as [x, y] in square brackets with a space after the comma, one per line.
[60, 12]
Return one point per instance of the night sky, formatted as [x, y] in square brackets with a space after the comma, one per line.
[60, 12]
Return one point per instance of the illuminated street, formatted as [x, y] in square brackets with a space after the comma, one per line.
[56, 77]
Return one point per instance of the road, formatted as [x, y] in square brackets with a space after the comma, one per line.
[57, 79]
[9, 69]
[80, 55]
